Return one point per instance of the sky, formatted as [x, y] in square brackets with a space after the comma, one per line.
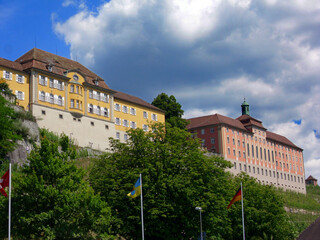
[209, 54]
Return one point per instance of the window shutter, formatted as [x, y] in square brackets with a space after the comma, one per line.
[4, 74]
[22, 95]
[55, 83]
[94, 109]
[62, 101]
[22, 79]
[55, 99]
[102, 111]
[10, 75]
[62, 85]
[39, 95]
[46, 81]
[47, 97]
[16, 92]
[16, 77]
[94, 94]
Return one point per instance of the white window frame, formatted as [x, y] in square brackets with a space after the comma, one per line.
[133, 111]
[118, 121]
[117, 107]
[145, 114]
[154, 117]
[125, 109]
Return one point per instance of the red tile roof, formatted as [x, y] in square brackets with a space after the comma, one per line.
[241, 123]
[9, 64]
[37, 58]
[135, 100]
[311, 178]
[214, 119]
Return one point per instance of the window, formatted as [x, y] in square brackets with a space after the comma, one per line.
[77, 89]
[257, 152]
[103, 97]
[239, 154]
[228, 140]
[240, 166]
[92, 123]
[117, 107]
[212, 140]
[252, 151]
[258, 170]
[118, 121]
[7, 75]
[211, 130]
[20, 95]
[60, 85]
[72, 103]
[239, 143]
[145, 114]
[154, 117]
[235, 165]
[261, 153]
[266, 172]
[132, 111]
[125, 123]
[202, 131]
[106, 112]
[233, 141]
[249, 168]
[60, 116]
[248, 149]
[234, 152]
[125, 109]
[43, 112]
[98, 110]
[51, 84]
[203, 142]
[42, 80]
[229, 151]
[106, 126]
[253, 169]
[245, 167]
[42, 96]
[90, 108]
[244, 155]
[261, 171]
[133, 125]
[90, 94]
[125, 136]
[19, 78]
[117, 135]
[145, 127]
[72, 88]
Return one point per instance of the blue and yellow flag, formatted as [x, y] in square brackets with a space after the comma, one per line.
[136, 191]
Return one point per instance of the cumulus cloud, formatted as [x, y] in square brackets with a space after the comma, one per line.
[210, 54]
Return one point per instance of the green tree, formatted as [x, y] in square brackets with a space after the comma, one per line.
[265, 217]
[51, 200]
[173, 110]
[8, 123]
[177, 177]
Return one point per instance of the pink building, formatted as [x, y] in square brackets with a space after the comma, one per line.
[244, 141]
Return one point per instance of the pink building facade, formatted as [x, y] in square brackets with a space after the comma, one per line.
[245, 142]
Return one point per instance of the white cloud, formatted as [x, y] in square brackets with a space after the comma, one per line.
[210, 54]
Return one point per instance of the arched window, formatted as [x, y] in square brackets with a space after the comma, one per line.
[90, 108]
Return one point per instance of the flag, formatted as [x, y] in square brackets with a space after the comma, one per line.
[236, 198]
[136, 191]
[4, 182]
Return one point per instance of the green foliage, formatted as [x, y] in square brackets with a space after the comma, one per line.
[177, 177]
[172, 108]
[300, 200]
[25, 115]
[51, 200]
[52, 137]
[265, 216]
[4, 89]
[9, 130]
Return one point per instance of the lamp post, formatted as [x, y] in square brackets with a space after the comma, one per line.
[199, 209]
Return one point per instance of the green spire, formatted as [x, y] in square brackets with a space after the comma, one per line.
[245, 108]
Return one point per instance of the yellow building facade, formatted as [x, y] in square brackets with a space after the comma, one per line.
[66, 97]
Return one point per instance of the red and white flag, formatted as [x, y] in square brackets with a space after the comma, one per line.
[4, 182]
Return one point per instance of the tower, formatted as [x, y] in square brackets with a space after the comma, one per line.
[245, 108]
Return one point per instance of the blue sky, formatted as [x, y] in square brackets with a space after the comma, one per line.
[209, 54]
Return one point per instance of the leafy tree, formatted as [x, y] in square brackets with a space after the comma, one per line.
[51, 200]
[9, 132]
[172, 108]
[177, 177]
[265, 217]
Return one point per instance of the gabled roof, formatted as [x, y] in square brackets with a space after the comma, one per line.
[9, 64]
[39, 59]
[248, 121]
[135, 100]
[213, 120]
[311, 178]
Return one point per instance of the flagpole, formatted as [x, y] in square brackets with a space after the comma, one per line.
[244, 234]
[9, 218]
[142, 225]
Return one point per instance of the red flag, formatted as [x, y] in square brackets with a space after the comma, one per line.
[236, 198]
[4, 182]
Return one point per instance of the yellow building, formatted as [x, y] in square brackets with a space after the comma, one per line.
[66, 97]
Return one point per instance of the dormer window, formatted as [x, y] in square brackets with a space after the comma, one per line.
[49, 68]
[75, 77]
[96, 82]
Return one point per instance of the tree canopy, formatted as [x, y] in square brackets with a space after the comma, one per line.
[173, 110]
[51, 200]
